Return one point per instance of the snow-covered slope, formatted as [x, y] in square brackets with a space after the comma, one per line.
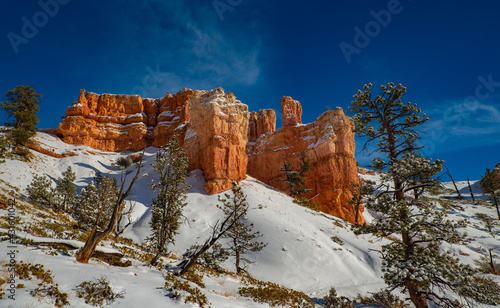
[307, 251]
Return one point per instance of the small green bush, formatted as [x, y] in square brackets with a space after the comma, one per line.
[274, 294]
[382, 298]
[46, 288]
[332, 300]
[338, 240]
[26, 271]
[98, 292]
[178, 289]
[195, 276]
[124, 162]
[307, 204]
[51, 290]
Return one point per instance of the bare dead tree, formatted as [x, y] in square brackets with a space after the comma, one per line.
[96, 236]
[470, 189]
[128, 214]
[456, 188]
[218, 231]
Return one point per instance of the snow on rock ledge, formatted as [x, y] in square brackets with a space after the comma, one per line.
[223, 139]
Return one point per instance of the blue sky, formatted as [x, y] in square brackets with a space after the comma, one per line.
[447, 53]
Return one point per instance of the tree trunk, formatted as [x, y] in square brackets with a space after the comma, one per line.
[417, 298]
[190, 260]
[155, 259]
[238, 269]
[470, 189]
[96, 236]
[492, 265]
[456, 188]
[86, 253]
[496, 205]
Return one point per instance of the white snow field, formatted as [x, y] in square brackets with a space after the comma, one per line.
[307, 251]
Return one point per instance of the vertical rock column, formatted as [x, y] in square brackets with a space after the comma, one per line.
[217, 138]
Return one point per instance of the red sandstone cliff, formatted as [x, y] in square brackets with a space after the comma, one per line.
[329, 143]
[223, 139]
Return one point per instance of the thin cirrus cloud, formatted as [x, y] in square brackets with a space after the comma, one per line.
[459, 125]
[196, 52]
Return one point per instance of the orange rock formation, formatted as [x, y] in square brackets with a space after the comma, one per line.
[223, 139]
[328, 142]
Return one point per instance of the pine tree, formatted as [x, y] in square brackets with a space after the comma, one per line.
[241, 237]
[172, 169]
[356, 201]
[4, 144]
[219, 230]
[490, 182]
[95, 202]
[22, 105]
[416, 264]
[40, 190]
[66, 190]
[295, 179]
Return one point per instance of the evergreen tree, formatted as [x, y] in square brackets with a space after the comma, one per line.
[295, 179]
[356, 201]
[124, 162]
[4, 144]
[22, 105]
[173, 170]
[40, 190]
[66, 190]
[490, 182]
[241, 238]
[219, 230]
[211, 258]
[416, 264]
[95, 203]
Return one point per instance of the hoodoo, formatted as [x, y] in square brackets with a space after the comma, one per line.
[224, 139]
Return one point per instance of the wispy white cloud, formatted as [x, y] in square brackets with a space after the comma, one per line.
[192, 49]
[458, 124]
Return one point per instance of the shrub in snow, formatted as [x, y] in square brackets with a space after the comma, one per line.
[46, 286]
[382, 299]
[124, 162]
[179, 288]
[307, 204]
[98, 292]
[274, 295]
[332, 300]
